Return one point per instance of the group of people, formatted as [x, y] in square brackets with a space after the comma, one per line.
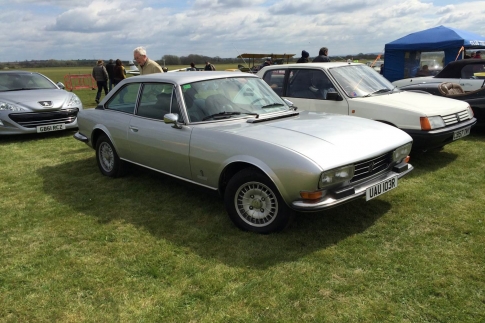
[322, 56]
[114, 72]
[108, 76]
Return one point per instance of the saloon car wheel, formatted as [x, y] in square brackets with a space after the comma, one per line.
[108, 161]
[254, 204]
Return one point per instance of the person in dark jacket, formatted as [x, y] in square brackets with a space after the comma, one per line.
[304, 57]
[110, 68]
[119, 73]
[101, 76]
[322, 55]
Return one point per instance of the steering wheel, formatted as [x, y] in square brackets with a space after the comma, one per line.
[261, 99]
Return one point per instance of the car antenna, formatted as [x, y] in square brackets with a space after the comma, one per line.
[240, 55]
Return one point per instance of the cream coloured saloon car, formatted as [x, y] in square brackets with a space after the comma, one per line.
[229, 132]
[357, 90]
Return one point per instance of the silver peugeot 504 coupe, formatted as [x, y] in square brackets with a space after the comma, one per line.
[230, 132]
[31, 103]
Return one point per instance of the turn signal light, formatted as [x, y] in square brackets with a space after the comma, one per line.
[407, 159]
[425, 125]
[311, 195]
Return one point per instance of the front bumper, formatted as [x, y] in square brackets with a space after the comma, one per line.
[358, 190]
[425, 140]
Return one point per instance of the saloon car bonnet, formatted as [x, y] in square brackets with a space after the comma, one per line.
[334, 140]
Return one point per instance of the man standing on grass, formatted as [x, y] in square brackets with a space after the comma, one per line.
[145, 65]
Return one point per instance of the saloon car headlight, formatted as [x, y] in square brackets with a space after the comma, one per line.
[74, 101]
[401, 152]
[336, 175]
[429, 123]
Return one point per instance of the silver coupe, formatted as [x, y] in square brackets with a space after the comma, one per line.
[31, 103]
[230, 132]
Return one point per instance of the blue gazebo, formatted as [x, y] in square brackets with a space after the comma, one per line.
[401, 54]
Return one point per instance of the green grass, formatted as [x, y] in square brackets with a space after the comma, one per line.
[80, 247]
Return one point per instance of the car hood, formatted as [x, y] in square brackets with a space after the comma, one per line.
[328, 139]
[31, 98]
[425, 104]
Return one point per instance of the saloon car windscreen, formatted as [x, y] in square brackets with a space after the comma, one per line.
[230, 97]
[360, 80]
[17, 81]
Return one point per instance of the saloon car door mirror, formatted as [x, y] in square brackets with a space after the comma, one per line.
[334, 96]
[171, 118]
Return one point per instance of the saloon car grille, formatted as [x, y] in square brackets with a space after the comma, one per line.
[34, 119]
[371, 167]
[456, 117]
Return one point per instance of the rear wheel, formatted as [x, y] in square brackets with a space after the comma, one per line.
[108, 161]
[254, 204]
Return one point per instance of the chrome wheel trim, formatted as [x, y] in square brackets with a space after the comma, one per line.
[106, 157]
[256, 204]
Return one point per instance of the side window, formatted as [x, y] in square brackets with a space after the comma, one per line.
[309, 84]
[125, 99]
[275, 79]
[155, 100]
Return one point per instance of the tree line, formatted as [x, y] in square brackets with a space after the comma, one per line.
[166, 60]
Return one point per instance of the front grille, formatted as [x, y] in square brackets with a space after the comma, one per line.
[371, 167]
[34, 119]
[456, 117]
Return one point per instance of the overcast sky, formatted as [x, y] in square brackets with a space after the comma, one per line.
[67, 29]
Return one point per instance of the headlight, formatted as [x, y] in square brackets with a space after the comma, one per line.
[401, 152]
[74, 101]
[470, 112]
[336, 175]
[428, 123]
[5, 106]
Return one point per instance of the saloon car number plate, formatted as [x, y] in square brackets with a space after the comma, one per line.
[51, 127]
[381, 188]
[461, 133]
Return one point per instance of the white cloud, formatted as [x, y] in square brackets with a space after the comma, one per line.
[62, 29]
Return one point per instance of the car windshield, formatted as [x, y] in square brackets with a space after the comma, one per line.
[360, 80]
[230, 97]
[20, 81]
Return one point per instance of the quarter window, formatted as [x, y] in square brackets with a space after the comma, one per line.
[125, 99]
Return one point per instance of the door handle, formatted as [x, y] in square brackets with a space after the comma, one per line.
[134, 129]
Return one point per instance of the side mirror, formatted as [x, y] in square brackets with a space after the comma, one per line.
[171, 118]
[334, 96]
[60, 85]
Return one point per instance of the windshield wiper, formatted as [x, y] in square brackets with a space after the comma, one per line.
[272, 105]
[20, 89]
[378, 91]
[227, 114]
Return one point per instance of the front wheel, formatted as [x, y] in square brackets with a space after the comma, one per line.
[254, 204]
[108, 161]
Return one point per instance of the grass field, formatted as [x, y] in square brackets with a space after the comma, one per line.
[80, 247]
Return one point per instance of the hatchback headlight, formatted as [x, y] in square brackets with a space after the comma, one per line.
[336, 175]
[401, 152]
[5, 106]
[429, 123]
[470, 112]
[74, 101]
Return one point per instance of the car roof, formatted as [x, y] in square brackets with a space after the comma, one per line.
[453, 69]
[186, 77]
[17, 72]
[325, 65]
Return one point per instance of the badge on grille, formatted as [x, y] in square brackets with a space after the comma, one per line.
[371, 166]
[46, 104]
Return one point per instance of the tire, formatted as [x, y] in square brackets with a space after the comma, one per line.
[107, 158]
[254, 204]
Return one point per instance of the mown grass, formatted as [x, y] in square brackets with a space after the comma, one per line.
[80, 247]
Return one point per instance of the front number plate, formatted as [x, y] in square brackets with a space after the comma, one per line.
[381, 188]
[461, 133]
[51, 127]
